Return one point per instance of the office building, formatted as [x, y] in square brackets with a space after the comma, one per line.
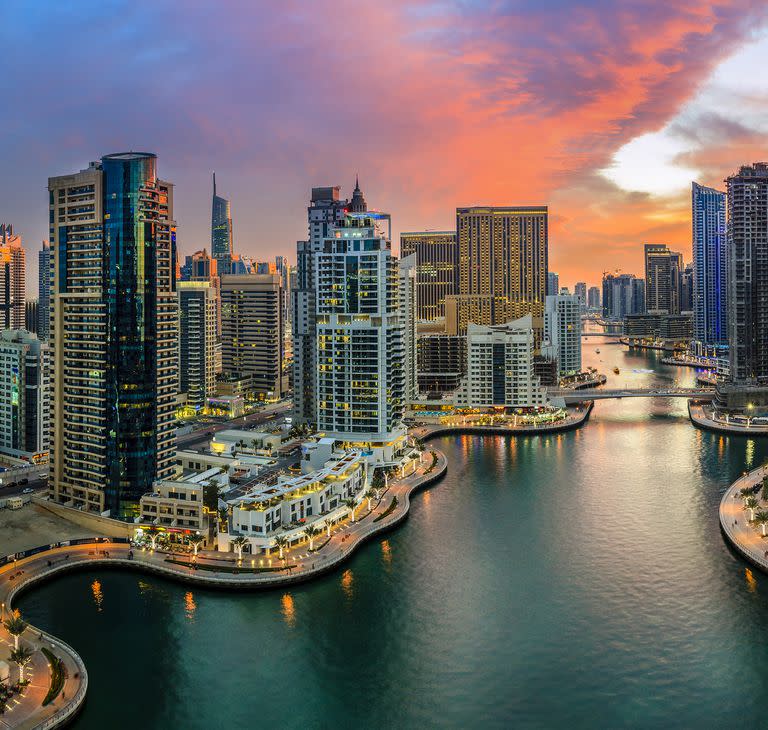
[325, 209]
[553, 283]
[623, 294]
[562, 332]
[441, 363]
[221, 231]
[361, 353]
[710, 266]
[687, 289]
[593, 298]
[24, 395]
[44, 289]
[747, 199]
[503, 258]
[407, 297]
[436, 269]
[13, 287]
[662, 279]
[113, 334]
[500, 367]
[580, 290]
[197, 341]
[252, 333]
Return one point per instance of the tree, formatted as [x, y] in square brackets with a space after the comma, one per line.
[281, 542]
[751, 504]
[196, 541]
[369, 495]
[153, 534]
[378, 479]
[311, 531]
[746, 493]
[350, 503]
[255, 444]
[22, 657]
[239, 543]
[761, 518]
[211, 495]
[16, 627]
[765, 488]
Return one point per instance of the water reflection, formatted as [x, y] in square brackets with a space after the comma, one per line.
[346, 584]
[751, 581]
[386, 554]
[288, 610]
[189, 606]
[98, 596]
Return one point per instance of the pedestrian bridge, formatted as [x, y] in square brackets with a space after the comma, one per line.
[576, 396]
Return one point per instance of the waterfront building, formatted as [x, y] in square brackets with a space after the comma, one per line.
[13, 287]
[361, 353]
[503, 258]
[562, 332]
[500, 367]
[593, 298]
[686, 289]
[221, 231]
[710, 265]
[407, 302]
[252, 333]
[441, 362]
[197, 340]
[580, 290]
[326, 208]
[623, 294]
[31, 315]
[553, 283]
[176, 505]
[44, 290]
[113, 334]
[463, 309]
[436, 269]
[677, 327]
[662, 279]
[24, 395]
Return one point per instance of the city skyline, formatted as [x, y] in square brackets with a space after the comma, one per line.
[423, 169]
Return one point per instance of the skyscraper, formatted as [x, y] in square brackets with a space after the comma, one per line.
[252, 332]
[13, 287]
[113, 333]
[710, 266]
[662, 279]
[747, 199]
[580, 290]
[623, 294]
[562, 332]
[197, 340]
[593, 298]
[44, 288]
[221, 231]
[686, 289]
[407, 296]
[553, 283]
[31, 315]
[436, 269]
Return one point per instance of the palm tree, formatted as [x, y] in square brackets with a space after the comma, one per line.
[281, 542]
[239, 543]
[255, 444]
[369, 495]
[16, 627]
[310, 531]
[761, 518]
[746, 493]
[22, 657]
[751, 504]
[153, 534]
[196, 541]
[350, 503]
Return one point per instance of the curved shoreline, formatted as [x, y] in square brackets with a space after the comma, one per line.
[700, 420]
[734, 522]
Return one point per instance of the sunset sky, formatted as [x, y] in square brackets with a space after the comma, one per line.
[604, 110]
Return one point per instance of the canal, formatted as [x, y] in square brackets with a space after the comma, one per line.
[577, 579]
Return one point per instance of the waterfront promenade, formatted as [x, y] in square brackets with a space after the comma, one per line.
[701, 416]
[734, 521]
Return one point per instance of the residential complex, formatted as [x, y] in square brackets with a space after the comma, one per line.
[44, 291]
[13, 286]
[553, 283]
[623, 294]
[593, 298]
[197, 341]
[113, 334]
[436, 269]
[663, 269]
[562, 332]
[441, 362]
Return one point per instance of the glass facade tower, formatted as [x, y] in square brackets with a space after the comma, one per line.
[221, 231]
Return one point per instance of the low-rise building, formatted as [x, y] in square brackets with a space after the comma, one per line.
[175, 506]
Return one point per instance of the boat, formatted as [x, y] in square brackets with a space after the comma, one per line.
[616, 370]
[597, 350]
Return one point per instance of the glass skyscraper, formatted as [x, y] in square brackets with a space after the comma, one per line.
[221, 231]
[710, 259]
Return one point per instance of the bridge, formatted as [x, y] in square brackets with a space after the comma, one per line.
[603, 334]
[576, 396]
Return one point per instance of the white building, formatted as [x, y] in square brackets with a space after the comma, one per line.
[198, 307]
[408, 309]
[562, 332]
[175, 505]
[24, 395]
[500, 367]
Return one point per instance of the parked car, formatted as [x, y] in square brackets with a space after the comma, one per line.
[28, 490]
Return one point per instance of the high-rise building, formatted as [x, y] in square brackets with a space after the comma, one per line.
[580, 290]
[13, 287]
[503, 256]
[500, 367]
[221, 231]
[686, 289]
[562, 332]
[441, 362]
[360, 350]
[113, 335]
[593, 298]
[252, 332]
[662, 279]
[407, 295]
[31, 315]
[24, 394]
[747, 197]
[710, 266]
[44, 289]
[623, 294]
[436, 269]
[553, 283]
[201, 267]
[325, 210]
[197, 341]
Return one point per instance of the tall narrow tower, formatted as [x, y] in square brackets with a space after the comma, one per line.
[221, 231]
[13, 269]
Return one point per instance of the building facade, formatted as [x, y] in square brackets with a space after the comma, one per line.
[252, 332]
[562, 332]
[24, 395]
[13, 287]
[663, 269]
[197, 341]
[407, 303]
[710, 265]
[580, 290]
[113, 335]
[436, 269]
[441, 362]
[553, 283]
[221, 231]
[44, 289]
[623, 294]
[593, 298]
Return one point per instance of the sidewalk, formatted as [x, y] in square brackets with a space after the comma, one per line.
[699, 416]
[734, 521]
